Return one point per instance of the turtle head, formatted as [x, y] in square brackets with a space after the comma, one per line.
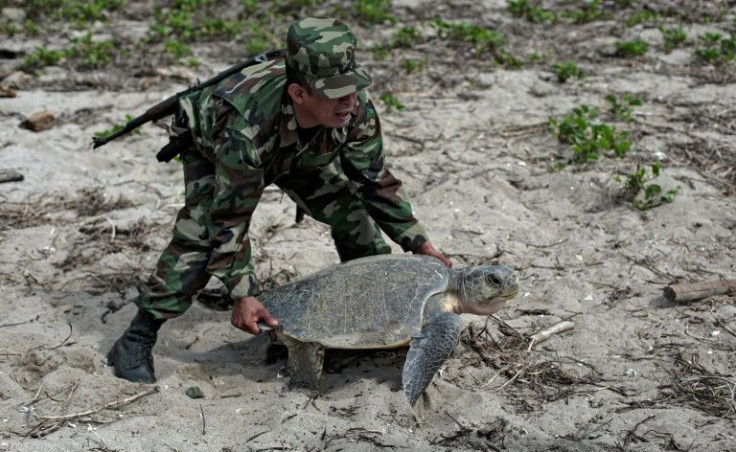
[485, 289]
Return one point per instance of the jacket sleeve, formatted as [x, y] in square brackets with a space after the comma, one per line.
[382, 195]
[239, 185]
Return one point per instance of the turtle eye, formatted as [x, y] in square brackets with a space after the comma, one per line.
[494, 279]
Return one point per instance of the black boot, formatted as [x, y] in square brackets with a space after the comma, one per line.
[131, 354]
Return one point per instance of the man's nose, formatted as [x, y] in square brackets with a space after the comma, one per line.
[348, 99]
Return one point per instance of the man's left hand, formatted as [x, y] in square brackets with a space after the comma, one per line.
[427, 249]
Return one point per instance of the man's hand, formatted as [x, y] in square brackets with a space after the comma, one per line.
[427, 249]
[247, 312]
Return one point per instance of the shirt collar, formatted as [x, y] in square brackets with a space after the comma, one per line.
[287, 127]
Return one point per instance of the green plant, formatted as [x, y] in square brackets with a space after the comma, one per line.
[508, 59]
[639, 189]
[625, 3]
[535, 57]
[380, 52]
[673, 37]
[9, 29]
[635, 47]
[116, 128]
[622, 107]
[716, 49]
[392, 103]
[79, 13]
[260, 39]
[177, 49]
[411, 66]
[256, 45]
[250, 7]
[532, 13]
[589, 12]
[93, 54]
[566, 71]
[589, 138]
[42, 57]
[189, 21]
[374, 12]
[641, 16]
[31, 28]
[407, 36]
[483, 39]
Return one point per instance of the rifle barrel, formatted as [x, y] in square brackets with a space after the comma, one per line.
[168, 106]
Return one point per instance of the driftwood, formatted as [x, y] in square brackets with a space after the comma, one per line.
[38, 121]
[116, 404]
[698, 290]
[546, 333]
[10, 176]
[6, 92]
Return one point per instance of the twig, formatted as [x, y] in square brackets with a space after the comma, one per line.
[18, 323]
[115, 404]
[514, 377]
[71, 331]
[46, 432]
[67, 397]
[720, 323]
[632, 432]
[643, 263]
[256, 436]
[112, 225]
[10, 176]
[503, 369]
[559, 242]
[587, 433]
[35, 397]
[545, 334]
[462, 427]
[204, 424]
[72, 391]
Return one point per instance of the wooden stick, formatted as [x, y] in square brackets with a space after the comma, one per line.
[698, 290]
[10, 176]
[545, 334]
[104, 407]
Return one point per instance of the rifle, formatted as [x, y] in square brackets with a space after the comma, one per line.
[168, 107]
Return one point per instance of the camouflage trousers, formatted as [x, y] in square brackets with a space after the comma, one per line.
[326, 195]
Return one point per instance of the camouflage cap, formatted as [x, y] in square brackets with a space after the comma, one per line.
[323, 51]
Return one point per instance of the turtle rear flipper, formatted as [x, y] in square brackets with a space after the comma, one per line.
[428, 351]
[304, 362]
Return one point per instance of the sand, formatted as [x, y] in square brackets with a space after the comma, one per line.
[637, 372]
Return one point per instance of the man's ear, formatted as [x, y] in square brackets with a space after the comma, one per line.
[296, 92]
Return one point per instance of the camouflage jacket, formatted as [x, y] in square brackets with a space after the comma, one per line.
[246, 126]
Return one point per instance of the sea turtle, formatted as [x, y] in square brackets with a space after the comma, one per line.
[379, 302]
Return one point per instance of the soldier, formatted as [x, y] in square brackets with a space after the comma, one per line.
[304, 123]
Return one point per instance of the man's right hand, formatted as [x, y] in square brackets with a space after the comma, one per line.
[246, 314]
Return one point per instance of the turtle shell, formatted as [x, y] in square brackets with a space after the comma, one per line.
[372, 302]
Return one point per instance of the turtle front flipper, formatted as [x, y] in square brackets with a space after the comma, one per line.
[428, 351]
[304, 363]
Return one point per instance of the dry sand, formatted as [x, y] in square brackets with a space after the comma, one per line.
[638, 373]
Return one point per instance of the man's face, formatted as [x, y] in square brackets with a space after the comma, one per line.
[316, 110]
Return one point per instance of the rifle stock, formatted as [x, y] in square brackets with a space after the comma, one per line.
[168, 106]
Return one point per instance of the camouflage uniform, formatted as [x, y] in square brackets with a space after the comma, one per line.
[246, 138]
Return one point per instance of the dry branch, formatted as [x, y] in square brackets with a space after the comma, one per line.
[699, 290]
[10, 176]
[545, 334]
[116, 404]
